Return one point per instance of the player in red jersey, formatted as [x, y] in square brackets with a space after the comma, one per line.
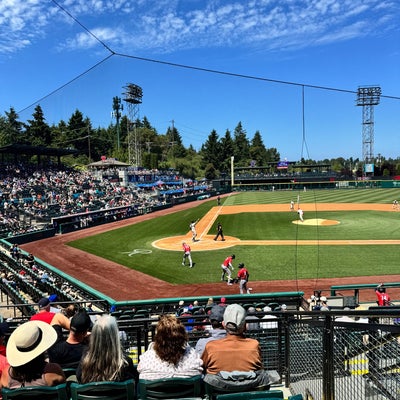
[243, 276]
[226, 268]
[187, 254]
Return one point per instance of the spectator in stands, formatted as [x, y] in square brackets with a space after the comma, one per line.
[26, 355]
[217, 331]
[30, 260]
[210, 302]
[252, 320]
[52, 318]
[169, 355]
[269, 324]
[68, 352]
[70, 310]
[383, 299]
[104, 359]
[44, 277]
[223, 302]
[8, 278]
[234, 354]
[324, 304]
[3, 330]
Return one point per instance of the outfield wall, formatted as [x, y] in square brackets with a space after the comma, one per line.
[248, 185]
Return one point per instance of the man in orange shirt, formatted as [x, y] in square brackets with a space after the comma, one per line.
[234, 354]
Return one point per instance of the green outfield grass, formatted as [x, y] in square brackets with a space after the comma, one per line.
[265, 262]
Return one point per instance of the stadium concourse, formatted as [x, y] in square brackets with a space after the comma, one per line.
[138, 286]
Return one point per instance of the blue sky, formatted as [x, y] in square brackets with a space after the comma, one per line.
[276, 59]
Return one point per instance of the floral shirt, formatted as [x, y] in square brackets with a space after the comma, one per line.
[152, 367]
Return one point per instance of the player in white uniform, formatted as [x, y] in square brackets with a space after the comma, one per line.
[300, 212]
[192, 227]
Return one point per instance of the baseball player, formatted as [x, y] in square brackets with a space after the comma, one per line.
[227, 267]
[243, 276]
[300, 212]
[187, 255]
[192, 227]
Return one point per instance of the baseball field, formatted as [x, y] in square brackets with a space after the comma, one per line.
[347, 235]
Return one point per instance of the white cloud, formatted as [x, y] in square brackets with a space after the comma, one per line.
[165, 26]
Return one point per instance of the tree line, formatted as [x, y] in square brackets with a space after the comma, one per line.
[140, 142]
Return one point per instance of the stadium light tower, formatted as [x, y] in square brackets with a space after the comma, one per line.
[368, 97]
[133, 97]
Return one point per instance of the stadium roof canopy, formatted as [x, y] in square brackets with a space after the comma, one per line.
[108, 163]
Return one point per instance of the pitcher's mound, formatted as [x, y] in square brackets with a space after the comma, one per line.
[317, 221]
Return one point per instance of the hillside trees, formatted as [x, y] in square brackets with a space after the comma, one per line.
[161, 150]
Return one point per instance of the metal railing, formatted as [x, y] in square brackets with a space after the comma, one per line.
[316, 353]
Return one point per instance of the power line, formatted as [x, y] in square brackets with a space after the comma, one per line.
[65, 84]
[83, 26]
[185, 66]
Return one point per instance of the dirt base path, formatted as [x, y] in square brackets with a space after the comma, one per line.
[121, 283]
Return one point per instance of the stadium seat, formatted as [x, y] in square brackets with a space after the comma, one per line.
[213, 392]
[103, 390]
[171, 388]
[273, 306]
[296, 397]
[58, 392]
[264, 394]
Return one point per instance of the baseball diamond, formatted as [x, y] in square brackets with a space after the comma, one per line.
[121, 283]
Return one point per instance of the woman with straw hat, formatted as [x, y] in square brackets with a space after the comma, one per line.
[26, 354]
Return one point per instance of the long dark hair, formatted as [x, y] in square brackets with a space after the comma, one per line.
[30, 371]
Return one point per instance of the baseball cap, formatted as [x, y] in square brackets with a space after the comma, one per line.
[241, 265]
[234, 317]
[43, 302]
[217, 313]
[53, 297]
[80, 322]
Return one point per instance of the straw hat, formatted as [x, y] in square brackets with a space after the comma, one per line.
[28, 341]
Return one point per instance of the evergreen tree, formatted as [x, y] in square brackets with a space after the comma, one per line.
[241, 146]
[210, 151]
[226, 152]
[258, 152]
[177, 150]
[12, 131]
[38, 133]
[79, 132]
[272, 155]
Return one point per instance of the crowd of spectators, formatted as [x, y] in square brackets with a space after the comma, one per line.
[31, 196]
